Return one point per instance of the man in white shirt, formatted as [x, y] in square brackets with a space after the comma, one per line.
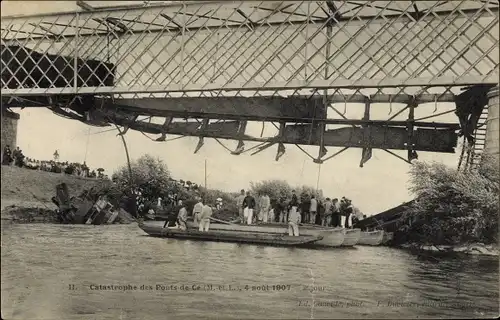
[198, 208]
[206, 213]
[313, 209]
[265, 203]
[293, 222]
[182, 218]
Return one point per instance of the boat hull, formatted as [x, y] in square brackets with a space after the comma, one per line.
[331, 237]
[351, 237]
[229, 236]
[372, 238]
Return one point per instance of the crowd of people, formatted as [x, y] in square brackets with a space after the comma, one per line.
[330, 213]
[17, 158]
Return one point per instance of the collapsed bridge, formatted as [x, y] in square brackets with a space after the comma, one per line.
[208, 68]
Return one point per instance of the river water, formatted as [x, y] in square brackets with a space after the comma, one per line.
[54, 272]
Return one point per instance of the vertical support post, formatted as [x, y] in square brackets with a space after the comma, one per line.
[492, 144]
[205, 175]
[322, 151]
[183, 38]
[411, 119]
[75, 58]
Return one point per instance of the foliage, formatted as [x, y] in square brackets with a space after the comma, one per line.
[453, 207]
[280, 190]
[149, 174]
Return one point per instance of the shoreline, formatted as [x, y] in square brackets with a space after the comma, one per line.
[16, 211]
[467, 248]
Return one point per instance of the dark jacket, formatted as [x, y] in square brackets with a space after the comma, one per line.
[294, 202]
[249, 202]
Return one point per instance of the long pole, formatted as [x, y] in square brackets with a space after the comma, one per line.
[319, 175]
[205, 174]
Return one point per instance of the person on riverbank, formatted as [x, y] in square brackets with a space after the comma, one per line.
[293, 221]
[7, 156]
[239, 204]
[182, 218]
[313, 210]
[205, 215]
[249, 206]
[265, 204]
[197, 209]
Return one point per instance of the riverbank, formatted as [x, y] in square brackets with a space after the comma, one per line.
[33, 188]
[469, 249]
[26, 195]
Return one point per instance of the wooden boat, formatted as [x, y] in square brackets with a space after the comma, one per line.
[331, 237]
[351, 237]
[157, 230]
[372, 238]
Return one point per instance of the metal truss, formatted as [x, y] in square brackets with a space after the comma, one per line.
[251, 48]
[278, 62]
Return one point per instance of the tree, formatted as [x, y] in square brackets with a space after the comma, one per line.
[451, 206]
[149, 174]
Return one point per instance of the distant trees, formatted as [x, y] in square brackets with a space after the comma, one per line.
[280, 189]
[453, 207]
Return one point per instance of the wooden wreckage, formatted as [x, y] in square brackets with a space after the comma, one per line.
[88, 208]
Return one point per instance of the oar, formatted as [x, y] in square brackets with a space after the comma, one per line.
[221, 221]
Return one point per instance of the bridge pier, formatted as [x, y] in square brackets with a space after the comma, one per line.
[492, 143]
[9, 130]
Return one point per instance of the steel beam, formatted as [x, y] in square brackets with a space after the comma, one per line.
[318, 84]
[43, 101]
[157, 10]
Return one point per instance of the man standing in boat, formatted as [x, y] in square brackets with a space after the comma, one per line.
[182, 217]
[335, 213]
[249, 206]
[294, 203]
[239, 203]
[313, 209]
[265, 203]
[205, 215]
[326, 218]
[198, 207]
[293, 221]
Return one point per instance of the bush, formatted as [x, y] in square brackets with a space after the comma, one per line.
[453, 207]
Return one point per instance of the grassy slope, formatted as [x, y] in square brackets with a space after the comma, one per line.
[23, 187]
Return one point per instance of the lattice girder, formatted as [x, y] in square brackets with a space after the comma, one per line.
[251, 46]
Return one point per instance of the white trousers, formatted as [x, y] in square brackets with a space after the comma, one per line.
[271, 216]
[293, 229]
[343, 221]
[264, 214]
[204, 225]
[248, 214]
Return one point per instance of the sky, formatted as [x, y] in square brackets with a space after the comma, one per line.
[381, 184]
